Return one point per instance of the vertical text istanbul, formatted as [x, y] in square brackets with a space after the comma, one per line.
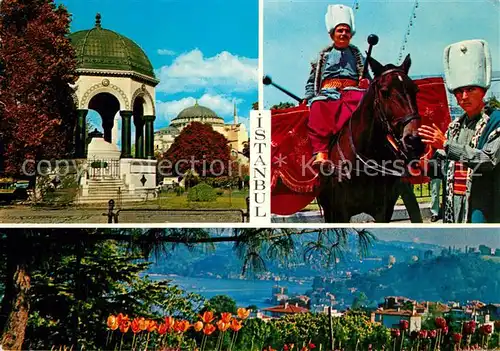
[259, 167]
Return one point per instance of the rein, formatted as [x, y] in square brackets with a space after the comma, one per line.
[390, 134]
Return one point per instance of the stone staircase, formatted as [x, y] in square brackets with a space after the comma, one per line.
[100, 191]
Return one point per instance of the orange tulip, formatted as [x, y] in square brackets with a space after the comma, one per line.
[124, 326]
[207, 317]
[162, 329]
[113, 322]
[222, 326]
[236, 325]
[170, 321]
[152, 326]
[143, 323]
[208, 329]
[225, 317]
[136, 326]
[121, 317]
[243, 313]
[198, 326]
[181, 326]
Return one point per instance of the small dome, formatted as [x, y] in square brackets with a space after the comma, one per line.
[100, 48]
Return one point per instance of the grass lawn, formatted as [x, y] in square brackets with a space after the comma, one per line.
[228, 200]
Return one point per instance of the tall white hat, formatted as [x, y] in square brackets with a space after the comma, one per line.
[467, 63]
[339, 14]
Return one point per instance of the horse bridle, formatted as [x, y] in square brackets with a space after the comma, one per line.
[395, 143]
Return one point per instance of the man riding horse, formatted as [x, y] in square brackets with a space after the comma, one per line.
[332, 89]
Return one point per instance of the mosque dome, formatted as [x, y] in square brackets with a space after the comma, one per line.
[196, 113]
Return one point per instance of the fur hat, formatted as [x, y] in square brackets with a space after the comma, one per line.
[467, 63]
[339, 14]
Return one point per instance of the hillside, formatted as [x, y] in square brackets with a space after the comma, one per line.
[457, 277]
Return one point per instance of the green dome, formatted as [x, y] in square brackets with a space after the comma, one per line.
[197, 111]
[99, 48]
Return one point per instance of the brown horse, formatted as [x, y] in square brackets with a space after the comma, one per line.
[372, 151]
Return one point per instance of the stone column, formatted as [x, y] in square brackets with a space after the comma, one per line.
[126, 133]
[81, 133]
[150, 137]
[139, 138]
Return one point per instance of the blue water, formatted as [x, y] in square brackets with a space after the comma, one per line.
[244, 292]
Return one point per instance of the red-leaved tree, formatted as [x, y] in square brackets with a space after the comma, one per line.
[199, 147]
[37, 112]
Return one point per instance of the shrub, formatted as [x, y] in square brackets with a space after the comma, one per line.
[202, 193]
[179, 190]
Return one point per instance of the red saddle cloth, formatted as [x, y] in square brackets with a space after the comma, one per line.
[293, 184]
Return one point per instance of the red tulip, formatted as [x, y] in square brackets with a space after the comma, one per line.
[486, 329]
[469, 327]
[432, 334]
[311, 346]
[440, 322]
[445, 330]
[422, 334]
[457, 337]
[395, 333]
[404, 324]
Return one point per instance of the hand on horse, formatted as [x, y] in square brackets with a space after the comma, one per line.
[432, 136]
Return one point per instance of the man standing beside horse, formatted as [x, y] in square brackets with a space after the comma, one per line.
[471, 145]
[332, 87]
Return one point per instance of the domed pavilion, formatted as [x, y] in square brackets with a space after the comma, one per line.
[116, 79]
[115, 75]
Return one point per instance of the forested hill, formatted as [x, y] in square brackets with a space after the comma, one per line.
[456, 277]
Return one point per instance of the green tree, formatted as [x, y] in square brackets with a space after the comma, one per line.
[282, 106]
[221, 303]
[359, 301]
[73, 266]
[493, 102]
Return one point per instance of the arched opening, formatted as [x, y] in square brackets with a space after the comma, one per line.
[107, 106]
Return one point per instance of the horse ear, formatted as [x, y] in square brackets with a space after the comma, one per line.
[376, 66]
[405, 66]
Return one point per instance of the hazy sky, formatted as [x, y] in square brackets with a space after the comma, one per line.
[458, 237]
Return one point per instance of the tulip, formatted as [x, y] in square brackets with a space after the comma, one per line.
[422, 334]
[432, 334]
[311, 346]
[198, 326]
[143, 324]
[207, 317]
[181, 326]
[121, 317]
[135, 326]
[162, 329]
[152, 326]
[222, 325]
[457, 337]
[243, 313]
[469, 327]
[440, 322]
[226, 317]
[208, 329]
[113, 322]
[404, 324]
[124, 326]
[170, 322]
[395, 333]
[486, 329]
[236, 325]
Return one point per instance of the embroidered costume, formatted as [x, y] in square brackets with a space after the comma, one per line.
[472, 150]
[332, 88]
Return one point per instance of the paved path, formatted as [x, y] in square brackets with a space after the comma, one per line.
[18, 214]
